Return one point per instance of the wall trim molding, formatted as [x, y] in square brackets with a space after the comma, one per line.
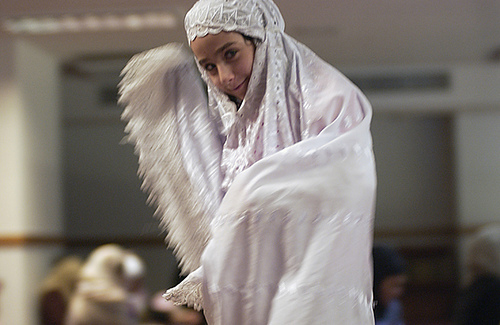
[441, 231]
[52, 240]
[444, 231]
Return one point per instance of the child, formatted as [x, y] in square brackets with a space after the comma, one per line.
[267, 188]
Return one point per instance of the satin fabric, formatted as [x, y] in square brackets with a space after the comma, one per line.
[292, 240]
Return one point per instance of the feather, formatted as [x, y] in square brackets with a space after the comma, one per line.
[169, 124]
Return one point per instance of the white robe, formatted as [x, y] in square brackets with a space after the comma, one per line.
[292, 239]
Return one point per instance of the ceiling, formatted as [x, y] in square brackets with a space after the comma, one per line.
[349, 32]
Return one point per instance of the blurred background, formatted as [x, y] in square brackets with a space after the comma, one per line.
[67, 185]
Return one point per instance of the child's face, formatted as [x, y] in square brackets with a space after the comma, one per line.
[227, 58]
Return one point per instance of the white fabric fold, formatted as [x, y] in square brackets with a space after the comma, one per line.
[292, 239]
[189, 291]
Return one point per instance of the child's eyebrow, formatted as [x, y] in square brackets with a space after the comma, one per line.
[223, 47]
[219, 50]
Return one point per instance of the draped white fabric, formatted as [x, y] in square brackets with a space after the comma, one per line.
[292, 239]
[286, 181]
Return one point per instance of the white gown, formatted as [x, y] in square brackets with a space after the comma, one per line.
[269, 207]
[291, 241]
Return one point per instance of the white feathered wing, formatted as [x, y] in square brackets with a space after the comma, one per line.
[169, 124]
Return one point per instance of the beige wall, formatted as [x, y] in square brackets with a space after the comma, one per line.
[478, 167]
[29, 174]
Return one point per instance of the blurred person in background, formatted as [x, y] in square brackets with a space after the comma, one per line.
[479, 302]
[56, 290]
[389, 280]
[110, 289]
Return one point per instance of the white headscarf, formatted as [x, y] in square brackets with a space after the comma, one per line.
[283, 102]
[252, 18]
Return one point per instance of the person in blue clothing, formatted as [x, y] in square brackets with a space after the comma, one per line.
[389, 280]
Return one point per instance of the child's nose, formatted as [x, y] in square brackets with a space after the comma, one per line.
[226, 75]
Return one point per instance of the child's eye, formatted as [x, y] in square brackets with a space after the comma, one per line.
[210, 67]
[230, 54]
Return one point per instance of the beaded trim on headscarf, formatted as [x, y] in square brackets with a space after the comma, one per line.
[251, 18]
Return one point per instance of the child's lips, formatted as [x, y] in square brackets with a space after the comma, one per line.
[240, 85]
